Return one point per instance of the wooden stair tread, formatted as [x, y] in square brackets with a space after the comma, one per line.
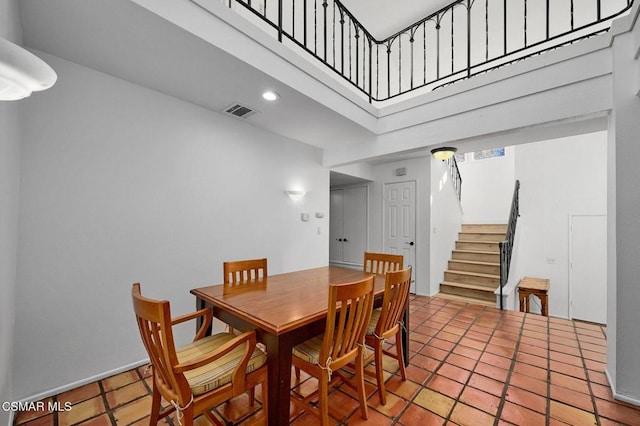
[468, 286]
[472, 274]
[465, 299]
[475, 251]
[475, 262]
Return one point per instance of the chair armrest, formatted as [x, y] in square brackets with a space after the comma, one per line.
[207, 313]
[247, 337]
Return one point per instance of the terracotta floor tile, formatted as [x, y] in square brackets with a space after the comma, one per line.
[569, 382]
[601, 349]
[492, 371]
[486, 384]
[594, 356]
[531, 371]
[120, 380]
[568, 369]
[126, 394]
[527, 399]
[567, 359]
[45, 420]
[82, 393]
[569, 350]
[442, 344]
[434, 353]
[499, 350]
[133, 411]
[375, 418]
[480, 400]
[405, 389]
[435, 402]
[445, 386]
[595, 365]
[103, 420]
[394, 406]
[571, 397]
[464, 415]
[496, 360]
[529, 383]
[618, 412]
[602, 392]
[425, 362]
[416, 415]
[533, 350]
[454, 373]
[473, 344]
[42, 409]
[461, 361]
[470, 353]
[82, 411]
[571, 415]
[518, 415]
[417, 375]
[534, 360]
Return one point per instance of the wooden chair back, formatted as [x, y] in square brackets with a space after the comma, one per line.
[381, 263]
[350, 307]
[394, 302]
[244, 270]
[154, 323]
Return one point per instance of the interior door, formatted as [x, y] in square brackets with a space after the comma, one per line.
[355, 225]
[336, 224]
[400, 223]
[588, 268]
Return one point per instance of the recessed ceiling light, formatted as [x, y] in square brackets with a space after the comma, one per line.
[270, 96]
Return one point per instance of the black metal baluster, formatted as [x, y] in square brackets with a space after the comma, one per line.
[389, 69]
[341, 38]
[505, 26]
[304, 23]
[399, 63]
[548, 23]
[357, 55]
[370, 70]
[349, 41]
[438, 47]
[572, 23]
[424, 54]
[315, 27]
[324, 6]
[525, 23]
[377, 71]
[486, 32]
[469, 4]
[599, 6]
[279, 20]
[411, 40]
[452, 40]
[264, 12]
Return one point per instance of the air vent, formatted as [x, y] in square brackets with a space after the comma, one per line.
[239, 110]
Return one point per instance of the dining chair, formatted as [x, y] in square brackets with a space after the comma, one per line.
[386, 322]
[197, 377]
[381, 263]
[349, 312]
[242, 271]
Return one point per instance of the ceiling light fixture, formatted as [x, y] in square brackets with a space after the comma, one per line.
[22, 72]
[443, 153]
[270, 96]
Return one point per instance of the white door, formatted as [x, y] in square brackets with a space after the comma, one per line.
[348, 225]
[400, 223]
[588, 268]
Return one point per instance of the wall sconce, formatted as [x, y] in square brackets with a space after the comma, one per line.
[443, 153]
[22, 72]
[295, 195]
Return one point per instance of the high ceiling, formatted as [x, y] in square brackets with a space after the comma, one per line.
[383, 18]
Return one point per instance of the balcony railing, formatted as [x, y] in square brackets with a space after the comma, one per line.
[463, 39]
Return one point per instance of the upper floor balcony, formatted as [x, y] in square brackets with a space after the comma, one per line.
[459, 41]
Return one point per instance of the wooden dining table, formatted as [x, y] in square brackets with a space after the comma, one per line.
[285, 310]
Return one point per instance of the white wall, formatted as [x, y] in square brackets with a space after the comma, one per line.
[446, 221]
[558, 178]
[418, 170]
[487, 187]
[122, 184]
[10, 117]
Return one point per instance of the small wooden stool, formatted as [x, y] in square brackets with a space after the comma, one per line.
[536, 286]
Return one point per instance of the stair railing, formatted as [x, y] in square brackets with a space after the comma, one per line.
[506, 246]
[463, 39]
[454, 172]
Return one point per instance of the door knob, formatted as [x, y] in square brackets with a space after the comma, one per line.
[411, 243]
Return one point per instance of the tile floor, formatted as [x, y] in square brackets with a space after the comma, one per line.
[470, 365]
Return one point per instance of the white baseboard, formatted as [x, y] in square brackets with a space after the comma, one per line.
[76, 384]
[619, 397]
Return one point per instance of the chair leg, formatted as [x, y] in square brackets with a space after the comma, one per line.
[252, 396]
[364, 413]
[323, 391]
[155, 405]
[379, 373]
[400, 354]
[297, 372]
[187, 416]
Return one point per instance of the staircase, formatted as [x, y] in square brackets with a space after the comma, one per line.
[474, 268]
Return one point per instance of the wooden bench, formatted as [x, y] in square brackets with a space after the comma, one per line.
[534, 286]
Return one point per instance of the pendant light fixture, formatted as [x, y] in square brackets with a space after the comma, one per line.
[22, 72]
[443, 153]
